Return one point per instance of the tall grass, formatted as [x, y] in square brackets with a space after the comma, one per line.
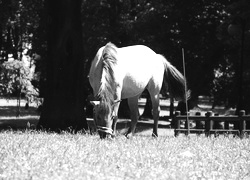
[40, 155]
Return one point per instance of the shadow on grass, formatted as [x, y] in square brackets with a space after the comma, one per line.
[10, 111]
[142, 126]
[28, 118]
[18, 124]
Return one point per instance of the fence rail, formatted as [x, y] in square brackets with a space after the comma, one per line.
[209, 123]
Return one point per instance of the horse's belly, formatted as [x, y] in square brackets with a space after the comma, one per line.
[134, 85]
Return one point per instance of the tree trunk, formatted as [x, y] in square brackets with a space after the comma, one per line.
[64, 101]
[1, 43]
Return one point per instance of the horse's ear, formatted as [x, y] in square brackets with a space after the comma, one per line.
[94, 103]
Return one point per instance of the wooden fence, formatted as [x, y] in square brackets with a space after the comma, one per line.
[208, 124]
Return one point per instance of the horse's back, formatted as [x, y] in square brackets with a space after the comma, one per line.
[139, 60]
[138, 65]
[135, 54]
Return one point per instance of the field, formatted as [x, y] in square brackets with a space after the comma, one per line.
[30, 154]
[38, 155]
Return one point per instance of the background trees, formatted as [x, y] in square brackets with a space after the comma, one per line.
[213, 51]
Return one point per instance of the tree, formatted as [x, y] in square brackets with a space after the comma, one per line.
[63, 107]
[16, 76]
[18, 23]
[232, 84]
[239, 31]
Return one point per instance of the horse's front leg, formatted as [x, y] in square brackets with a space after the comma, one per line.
[115, 116]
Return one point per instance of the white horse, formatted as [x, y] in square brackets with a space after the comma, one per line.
[120, 73]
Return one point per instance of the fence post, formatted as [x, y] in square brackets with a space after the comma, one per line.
[242, 126]
[217, 124]
[226, 125]
[171, 108]
[187, 124]
[198, 123]
[177, 123]
[208, 123]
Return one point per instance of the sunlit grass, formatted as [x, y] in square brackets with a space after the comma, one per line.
[40, 155]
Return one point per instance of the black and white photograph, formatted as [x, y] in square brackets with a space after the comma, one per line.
[125, 89]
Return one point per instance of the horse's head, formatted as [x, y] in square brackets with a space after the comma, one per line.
[104, 115]
[102, 80]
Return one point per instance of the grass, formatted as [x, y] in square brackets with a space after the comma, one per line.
[40, 155]
[29, 154]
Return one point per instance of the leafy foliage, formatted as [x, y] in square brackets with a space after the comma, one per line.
[200, 27]
[16, 76]
[223, 86]
[19, 24]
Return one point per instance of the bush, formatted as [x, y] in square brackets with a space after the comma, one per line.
[16, 76]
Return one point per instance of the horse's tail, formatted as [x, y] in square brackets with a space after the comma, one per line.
[174, 81]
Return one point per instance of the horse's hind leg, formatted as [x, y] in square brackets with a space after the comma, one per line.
[133, 107]
[156, 111]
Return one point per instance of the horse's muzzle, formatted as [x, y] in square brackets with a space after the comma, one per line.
[104, 132]
[104, 135]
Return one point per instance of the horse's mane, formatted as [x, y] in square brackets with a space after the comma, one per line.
[107, 89]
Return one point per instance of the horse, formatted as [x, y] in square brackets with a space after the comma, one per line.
[124, 73]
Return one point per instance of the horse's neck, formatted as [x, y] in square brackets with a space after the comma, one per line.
[107, 91]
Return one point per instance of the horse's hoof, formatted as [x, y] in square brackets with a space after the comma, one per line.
[155, 135]
[113, 135]
[129, 136]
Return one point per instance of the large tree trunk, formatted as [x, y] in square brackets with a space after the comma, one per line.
[63, 107]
